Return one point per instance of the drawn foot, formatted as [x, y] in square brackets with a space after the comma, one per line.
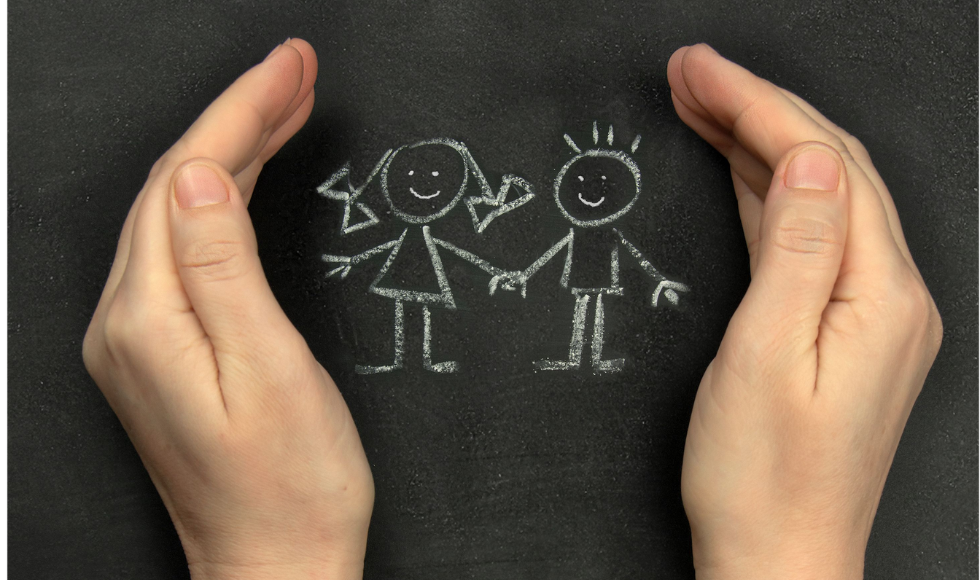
[373, 370]
[555, 365]
[449, 366]
[613, 365]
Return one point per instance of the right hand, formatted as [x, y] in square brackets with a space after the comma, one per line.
[797, 418]
[244, 434]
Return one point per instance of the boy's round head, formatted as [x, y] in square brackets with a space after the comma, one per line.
[422, 182]
[597, 186]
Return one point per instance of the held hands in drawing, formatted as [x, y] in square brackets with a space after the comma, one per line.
[244, 434]
[667, 293]
[797, 419]
[510, 281]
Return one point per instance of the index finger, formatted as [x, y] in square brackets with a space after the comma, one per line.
[232, 131]
[236, 126]
[735, 111]
[737, 104]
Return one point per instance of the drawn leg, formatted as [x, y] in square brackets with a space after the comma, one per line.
[450, 366]
[399, 345]
[576, 345]
[599, 365]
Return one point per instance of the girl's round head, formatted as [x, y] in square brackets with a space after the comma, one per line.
[422, 182]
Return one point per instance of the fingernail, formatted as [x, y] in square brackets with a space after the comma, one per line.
[275, 50]
[199, 185]
[812, 169]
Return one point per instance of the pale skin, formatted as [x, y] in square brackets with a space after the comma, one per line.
[795, 423]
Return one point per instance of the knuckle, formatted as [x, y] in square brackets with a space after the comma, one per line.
[157, 167]
[836, 141]
[118, 330]
[216, 260]
[839, 143]
[854, 145]
[129, 328]
[910, 302]
[807, 235]
[92, 350]
[935, 336]
[911, 308]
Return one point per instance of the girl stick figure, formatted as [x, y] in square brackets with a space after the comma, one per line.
[421, 183]
[593, 189]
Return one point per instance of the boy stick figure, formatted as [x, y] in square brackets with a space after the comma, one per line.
[593, 189]
[421, 183]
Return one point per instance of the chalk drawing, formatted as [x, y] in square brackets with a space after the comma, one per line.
[596, 187]
[496, 203]
[350, 196]
[616, 176]
[417, 194]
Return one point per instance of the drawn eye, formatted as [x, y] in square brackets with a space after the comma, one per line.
[435, 174]
[411, 172]
[580, 178]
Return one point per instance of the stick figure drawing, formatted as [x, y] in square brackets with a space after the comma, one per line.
[592, 190]
[421, 183]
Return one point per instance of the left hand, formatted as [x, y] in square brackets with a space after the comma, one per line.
[245, 436]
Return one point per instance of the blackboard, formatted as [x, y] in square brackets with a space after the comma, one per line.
[495, 471]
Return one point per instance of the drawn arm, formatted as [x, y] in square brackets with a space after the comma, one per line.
[514, 280]
[498, 274]
[348, 262]
[470, 257]
[666, 288]
[497, 204]
[349, 197]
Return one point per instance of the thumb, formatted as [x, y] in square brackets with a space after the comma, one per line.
[217, 258]
[801, 241]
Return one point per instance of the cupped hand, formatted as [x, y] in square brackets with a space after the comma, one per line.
[797, 418]
[244, 434]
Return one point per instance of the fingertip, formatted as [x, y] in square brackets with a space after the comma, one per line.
[675, 59]
[675, 77]
[310, 65]
[308, 53]
[706, 46]
[301, 67]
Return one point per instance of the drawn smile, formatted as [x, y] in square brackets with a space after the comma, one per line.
[591, 203]
[438, 191]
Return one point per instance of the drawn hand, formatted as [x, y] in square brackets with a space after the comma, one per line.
[244, 434]
[797, 419]
[666, 293]
[510, 281]
[346, 263]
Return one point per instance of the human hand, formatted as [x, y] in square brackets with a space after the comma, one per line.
[244, 434]
[797, 418]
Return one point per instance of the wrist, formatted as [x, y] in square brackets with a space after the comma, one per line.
[312, 570]
[244, 558]
[784, 558]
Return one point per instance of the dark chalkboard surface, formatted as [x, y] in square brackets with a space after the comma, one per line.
[494, 471]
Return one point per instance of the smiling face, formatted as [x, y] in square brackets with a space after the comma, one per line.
[597, 186]
[424, 181]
